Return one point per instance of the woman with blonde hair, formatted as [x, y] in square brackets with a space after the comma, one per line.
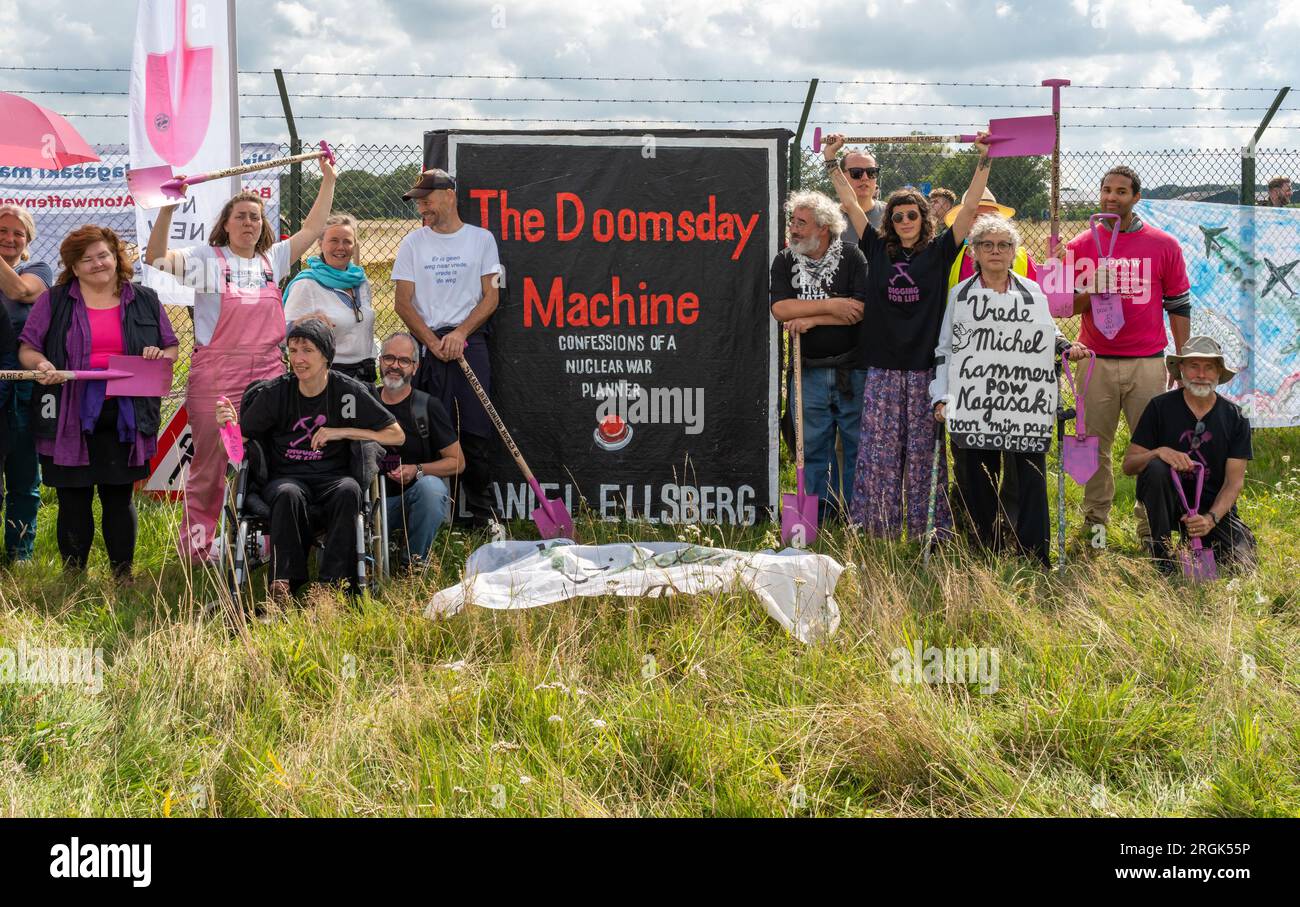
[238, 329]
[334, 288]
[22, 281]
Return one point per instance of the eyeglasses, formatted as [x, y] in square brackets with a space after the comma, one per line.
[859, 172]
[899, 216]
[988, 245]
[403, 361]
[1197, 438]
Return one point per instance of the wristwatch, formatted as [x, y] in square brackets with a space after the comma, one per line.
[419, 470]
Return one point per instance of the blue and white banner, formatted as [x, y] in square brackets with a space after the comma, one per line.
[1241, 263]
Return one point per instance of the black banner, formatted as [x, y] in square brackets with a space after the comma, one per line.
[634, 357]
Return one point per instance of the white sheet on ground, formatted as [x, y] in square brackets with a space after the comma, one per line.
[796, 587]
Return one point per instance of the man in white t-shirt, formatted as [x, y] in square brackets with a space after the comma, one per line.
[447, 277]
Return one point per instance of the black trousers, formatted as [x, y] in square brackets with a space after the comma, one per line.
[75, 525]
[298, 506]
[1231, 540]
[979, 475]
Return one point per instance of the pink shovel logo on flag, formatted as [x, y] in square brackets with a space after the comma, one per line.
[178, 95]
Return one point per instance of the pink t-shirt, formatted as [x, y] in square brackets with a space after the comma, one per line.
[105, 335]
[1149, 269]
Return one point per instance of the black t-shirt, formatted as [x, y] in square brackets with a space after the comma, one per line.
[413, 449]
[905, 303]
[1168, 422]
[285, 420]
[849, 280]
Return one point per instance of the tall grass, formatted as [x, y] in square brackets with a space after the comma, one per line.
[1120, 693]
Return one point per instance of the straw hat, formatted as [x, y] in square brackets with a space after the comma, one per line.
[987, 200]
[1199, 347]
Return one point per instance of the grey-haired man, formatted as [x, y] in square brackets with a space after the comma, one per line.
[1179, 430]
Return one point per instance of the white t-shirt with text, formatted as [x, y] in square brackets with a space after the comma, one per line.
[447, 270]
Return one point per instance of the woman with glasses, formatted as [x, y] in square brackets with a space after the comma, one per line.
[333, 287]
[864, 176]
[907, 290]
[994, 241]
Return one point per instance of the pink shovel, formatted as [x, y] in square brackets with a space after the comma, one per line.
[178, 96]
[798, 510]
[1079, 453]
[159, 187]
[1052, 274]
[1198, 563]
[126, 376]
[1008, 137]
[1107, 308]
[232, 439]
[552, 518]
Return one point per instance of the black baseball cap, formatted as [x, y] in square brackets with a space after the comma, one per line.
[430, 180]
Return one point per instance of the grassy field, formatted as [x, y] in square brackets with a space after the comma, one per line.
[1119, 693]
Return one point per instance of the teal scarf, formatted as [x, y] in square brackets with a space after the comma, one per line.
[328, 276]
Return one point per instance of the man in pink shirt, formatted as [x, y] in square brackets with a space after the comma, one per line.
[1149, 274]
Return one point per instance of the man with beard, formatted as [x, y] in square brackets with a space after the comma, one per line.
[447, 275]
[818, 289]
[419, 470]
[1194, 425]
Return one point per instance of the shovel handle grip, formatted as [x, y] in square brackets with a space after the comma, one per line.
[179, 184]
[496, 421]
[68, 374]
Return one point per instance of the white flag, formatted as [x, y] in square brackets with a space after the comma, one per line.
[796, 588]
[185, 114]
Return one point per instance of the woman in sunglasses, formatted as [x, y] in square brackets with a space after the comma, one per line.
[334, 288]
[907, 290]
[864, 177]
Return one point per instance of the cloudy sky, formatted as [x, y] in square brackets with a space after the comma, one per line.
[1184, 44]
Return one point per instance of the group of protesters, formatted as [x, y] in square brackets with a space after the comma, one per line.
[875, 289]
[75, 438]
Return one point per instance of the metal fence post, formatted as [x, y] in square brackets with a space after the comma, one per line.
[1248, 153]
[295, 170]
[796, 151]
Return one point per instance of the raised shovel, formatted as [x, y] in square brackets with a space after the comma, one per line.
[1198, 563]
[798, 510]
[1008, 137]
[160, 187]
[1052, 273]
[126, 376]
[178, 96]
[552, 517]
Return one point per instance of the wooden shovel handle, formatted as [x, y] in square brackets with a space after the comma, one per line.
[496, 418]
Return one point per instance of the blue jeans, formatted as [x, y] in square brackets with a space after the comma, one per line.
[22, 483]
[826, 411]
[419, 511]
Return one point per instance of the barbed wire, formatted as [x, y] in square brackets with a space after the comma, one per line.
[749, 101]
[675, 79]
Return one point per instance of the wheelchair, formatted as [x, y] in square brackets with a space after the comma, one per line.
[245, 523]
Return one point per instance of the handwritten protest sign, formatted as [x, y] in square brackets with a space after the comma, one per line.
[1001, 376]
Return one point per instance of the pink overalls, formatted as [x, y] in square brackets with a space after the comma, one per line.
[245, 347]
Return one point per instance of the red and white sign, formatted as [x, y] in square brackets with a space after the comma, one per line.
[169, 465]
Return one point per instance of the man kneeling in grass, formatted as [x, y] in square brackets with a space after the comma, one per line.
[305, 420]
[1188, 425]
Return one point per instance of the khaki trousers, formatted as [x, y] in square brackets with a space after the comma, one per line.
[1117, 385]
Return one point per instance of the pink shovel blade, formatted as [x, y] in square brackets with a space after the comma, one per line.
[552, 518]
[147, 377]
[1022, 136]
[232, 439]
[1080, 457]
[178, 96]
[1198, 562]
[799, 516]
[1108, 313]
[1053, 278]
[153, 187]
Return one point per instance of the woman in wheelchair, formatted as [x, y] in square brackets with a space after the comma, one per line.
[304, 421]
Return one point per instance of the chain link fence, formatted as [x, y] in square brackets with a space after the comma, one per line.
[1255, 255]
